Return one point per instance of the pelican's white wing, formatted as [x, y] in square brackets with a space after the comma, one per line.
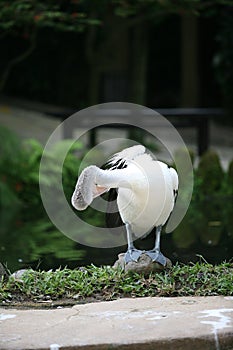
[150, 200]
[146, 188]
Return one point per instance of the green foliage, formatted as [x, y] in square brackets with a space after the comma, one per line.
[211, 174]
[30, 15]
[106, 283]
[210, 212]
[22, 214]
[20, 162]
[75, 16]
[155, 8]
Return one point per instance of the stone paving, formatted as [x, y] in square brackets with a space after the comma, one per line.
[201, 323]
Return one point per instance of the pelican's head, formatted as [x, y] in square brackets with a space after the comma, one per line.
[84, 190]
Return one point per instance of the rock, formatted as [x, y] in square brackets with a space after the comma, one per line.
[3, 273]
[17, 275]
[144, 264]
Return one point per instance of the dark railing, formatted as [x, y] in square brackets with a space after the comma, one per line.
[197, 118]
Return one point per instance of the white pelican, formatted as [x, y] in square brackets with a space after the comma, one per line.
[146, 193]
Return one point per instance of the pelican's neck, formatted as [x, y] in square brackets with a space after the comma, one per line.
[112, 178]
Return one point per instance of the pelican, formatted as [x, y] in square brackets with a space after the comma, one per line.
[146, 192]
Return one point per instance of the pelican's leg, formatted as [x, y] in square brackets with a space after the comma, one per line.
[132, 253]
[155, 254]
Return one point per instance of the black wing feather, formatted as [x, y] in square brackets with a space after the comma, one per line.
[112, 217]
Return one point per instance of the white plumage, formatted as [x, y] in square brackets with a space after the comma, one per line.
[147, 189]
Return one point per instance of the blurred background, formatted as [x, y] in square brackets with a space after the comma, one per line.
[58, 57]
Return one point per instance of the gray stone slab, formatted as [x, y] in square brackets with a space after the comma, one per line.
[136, 323]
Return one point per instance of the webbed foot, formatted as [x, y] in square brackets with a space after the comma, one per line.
[157, 256]
[132, 255]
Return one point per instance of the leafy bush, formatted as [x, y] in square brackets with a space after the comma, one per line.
[19, 166]
[209, 216]
[22, 214]
[210, 174]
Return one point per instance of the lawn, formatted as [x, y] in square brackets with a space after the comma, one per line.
[88, 284]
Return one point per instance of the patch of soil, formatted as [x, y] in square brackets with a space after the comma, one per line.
[20, 302]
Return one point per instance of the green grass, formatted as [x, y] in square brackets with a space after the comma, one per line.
[105, 283]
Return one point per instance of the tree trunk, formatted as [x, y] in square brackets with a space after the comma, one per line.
[190, 69]
[138, 73]
[138, 64]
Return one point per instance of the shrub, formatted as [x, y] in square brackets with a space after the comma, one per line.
[210, 174]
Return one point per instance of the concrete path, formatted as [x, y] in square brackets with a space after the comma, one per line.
[146, 323]
[27, 123]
